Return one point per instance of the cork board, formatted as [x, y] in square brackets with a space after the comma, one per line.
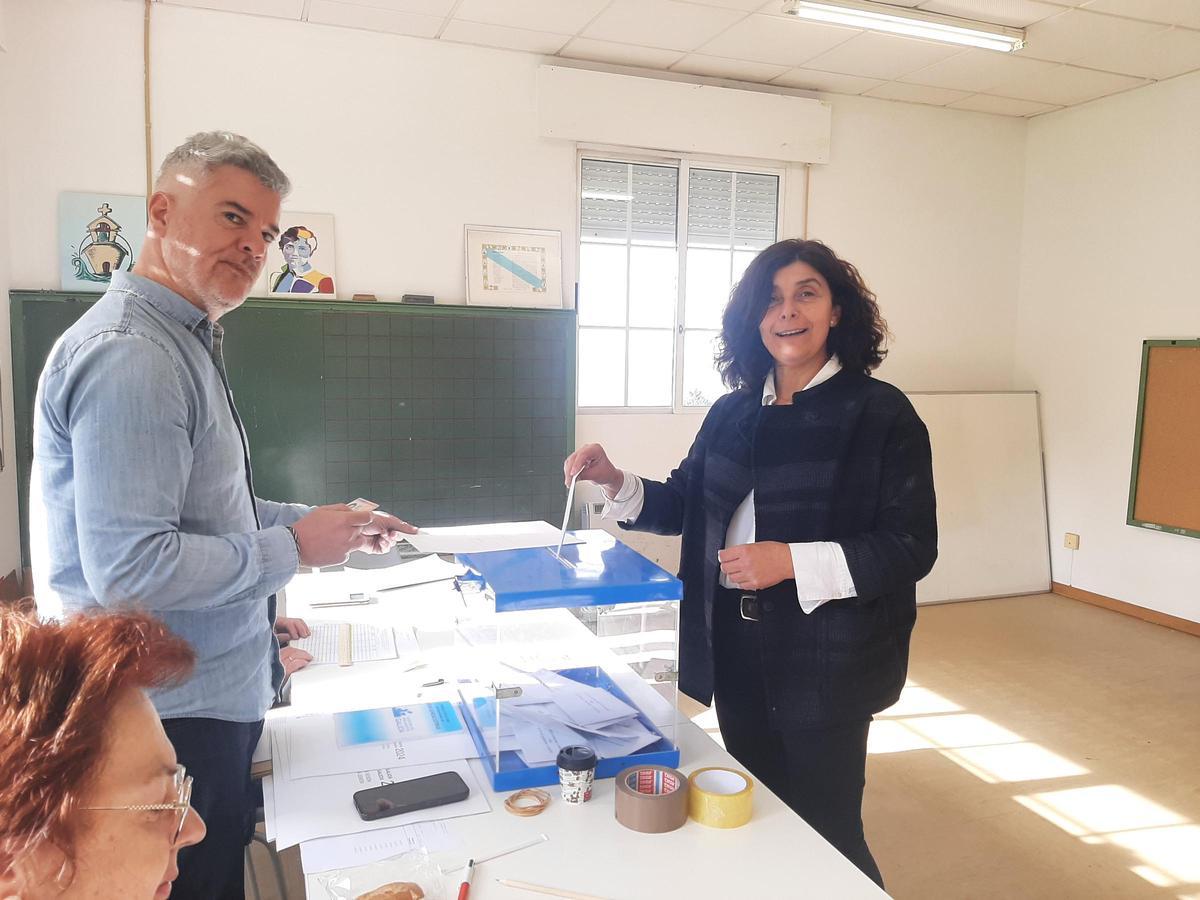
[1164, 492]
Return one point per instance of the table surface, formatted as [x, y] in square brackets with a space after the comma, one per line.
[587, 851]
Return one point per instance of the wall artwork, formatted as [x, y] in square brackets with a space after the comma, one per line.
[98, 234]
[514, 267]
[301, 263]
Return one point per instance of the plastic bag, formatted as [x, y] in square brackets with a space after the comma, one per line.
[414, 866]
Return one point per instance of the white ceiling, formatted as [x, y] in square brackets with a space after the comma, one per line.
[1075, 50]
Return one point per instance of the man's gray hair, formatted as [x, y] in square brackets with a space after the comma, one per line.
[209, 149]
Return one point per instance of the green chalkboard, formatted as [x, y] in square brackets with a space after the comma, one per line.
[444, 414]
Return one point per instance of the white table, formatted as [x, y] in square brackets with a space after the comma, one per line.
[776, 855]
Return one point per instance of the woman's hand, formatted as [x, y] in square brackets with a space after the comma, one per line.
[593, 464]
[290, 629]
[753, 567]
[294, 659]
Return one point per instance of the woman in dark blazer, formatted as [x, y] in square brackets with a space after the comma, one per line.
[806, 507]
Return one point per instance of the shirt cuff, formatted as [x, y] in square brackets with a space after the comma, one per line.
[279, 556]
[626, 506]
[821, 574]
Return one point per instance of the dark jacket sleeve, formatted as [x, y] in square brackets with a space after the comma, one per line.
[665, 501]
[903, 546]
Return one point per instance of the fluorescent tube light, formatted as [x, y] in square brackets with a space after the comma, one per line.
[908, 22]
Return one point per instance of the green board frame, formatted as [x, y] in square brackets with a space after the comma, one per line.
[481, 376]
[1130, 519]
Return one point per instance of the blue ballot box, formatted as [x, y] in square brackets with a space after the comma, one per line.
[573, 648]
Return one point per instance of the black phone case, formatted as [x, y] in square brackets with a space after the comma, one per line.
[384, 800]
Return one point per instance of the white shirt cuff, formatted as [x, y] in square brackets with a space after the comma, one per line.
[626, 505]
[821, 574]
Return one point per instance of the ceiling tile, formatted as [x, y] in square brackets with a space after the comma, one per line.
[558, 16]
[719, 67]
[1013, 13]
[1003, 106]
[883, 56]
[279, 9]
[421, 7]
[326, 12]
[504, 37]
[1065, 85]
[832, 82]
[619, 54]
[660, 23]
[1076, 33]
[1174, 12]
[1162, 55]
[916, 93]
[743, 5]
[977, 70]
[778, 40]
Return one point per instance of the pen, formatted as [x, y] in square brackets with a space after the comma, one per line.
[465, 888]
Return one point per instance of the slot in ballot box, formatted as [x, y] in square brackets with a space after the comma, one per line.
[575, 648]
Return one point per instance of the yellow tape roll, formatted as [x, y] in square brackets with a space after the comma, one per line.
[720, 798]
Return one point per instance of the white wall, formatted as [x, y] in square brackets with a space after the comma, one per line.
[927, 204]
[10, 548]
[1109, 258]
[399, 139]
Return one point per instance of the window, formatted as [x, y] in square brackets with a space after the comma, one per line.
[660, 247]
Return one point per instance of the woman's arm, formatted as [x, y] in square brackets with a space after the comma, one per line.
[903, 546]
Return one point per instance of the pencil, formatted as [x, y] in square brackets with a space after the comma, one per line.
[542, 889]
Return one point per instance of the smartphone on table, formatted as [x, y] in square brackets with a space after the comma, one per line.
[409, 796]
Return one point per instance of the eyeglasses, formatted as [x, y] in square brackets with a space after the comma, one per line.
[183, 803]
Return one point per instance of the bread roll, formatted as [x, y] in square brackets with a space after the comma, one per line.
[396, 890]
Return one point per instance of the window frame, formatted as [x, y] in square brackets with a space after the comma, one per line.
[683, 163]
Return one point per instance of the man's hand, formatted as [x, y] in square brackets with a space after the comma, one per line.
[757, 566]
[290, 629]
[294, 659]
[384, 531]
[328, 534]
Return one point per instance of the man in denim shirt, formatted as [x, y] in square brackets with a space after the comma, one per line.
[142, 487]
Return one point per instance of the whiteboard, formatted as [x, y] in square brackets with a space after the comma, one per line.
[991, 497]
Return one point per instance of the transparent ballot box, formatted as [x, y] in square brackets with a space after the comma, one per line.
[568, 649]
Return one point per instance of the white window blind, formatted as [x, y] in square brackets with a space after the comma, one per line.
[641, 342]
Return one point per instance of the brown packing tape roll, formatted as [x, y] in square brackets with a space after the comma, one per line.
[652, 799]
[721, 798]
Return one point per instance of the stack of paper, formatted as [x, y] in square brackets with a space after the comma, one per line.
[368, 643]
[555, 712]
[321, 760]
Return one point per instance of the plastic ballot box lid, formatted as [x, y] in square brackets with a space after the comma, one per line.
[600, 571]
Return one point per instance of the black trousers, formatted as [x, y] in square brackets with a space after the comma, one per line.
[217, 755]
[819, 772]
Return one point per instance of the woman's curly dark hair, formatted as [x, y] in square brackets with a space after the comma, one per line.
[857, 340]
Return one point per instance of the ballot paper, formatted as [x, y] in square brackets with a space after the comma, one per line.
[368, 643]
[553, 712]
[487, 538]
[348, 850]
[584, 704]
[308, 808]
[324, 744]
[425, 570]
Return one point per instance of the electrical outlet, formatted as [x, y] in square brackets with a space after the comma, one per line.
[590, 513]
[1071, 541]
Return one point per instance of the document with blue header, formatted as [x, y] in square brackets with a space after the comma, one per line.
[417, 734]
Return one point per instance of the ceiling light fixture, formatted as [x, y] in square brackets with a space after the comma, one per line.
[909, 23]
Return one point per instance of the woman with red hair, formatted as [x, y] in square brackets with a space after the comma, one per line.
[92, 801]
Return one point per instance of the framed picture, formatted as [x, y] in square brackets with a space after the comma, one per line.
[514, 267]
[302, 263]
[98, 234]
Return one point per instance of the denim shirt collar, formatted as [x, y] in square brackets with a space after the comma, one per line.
[166, 301]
